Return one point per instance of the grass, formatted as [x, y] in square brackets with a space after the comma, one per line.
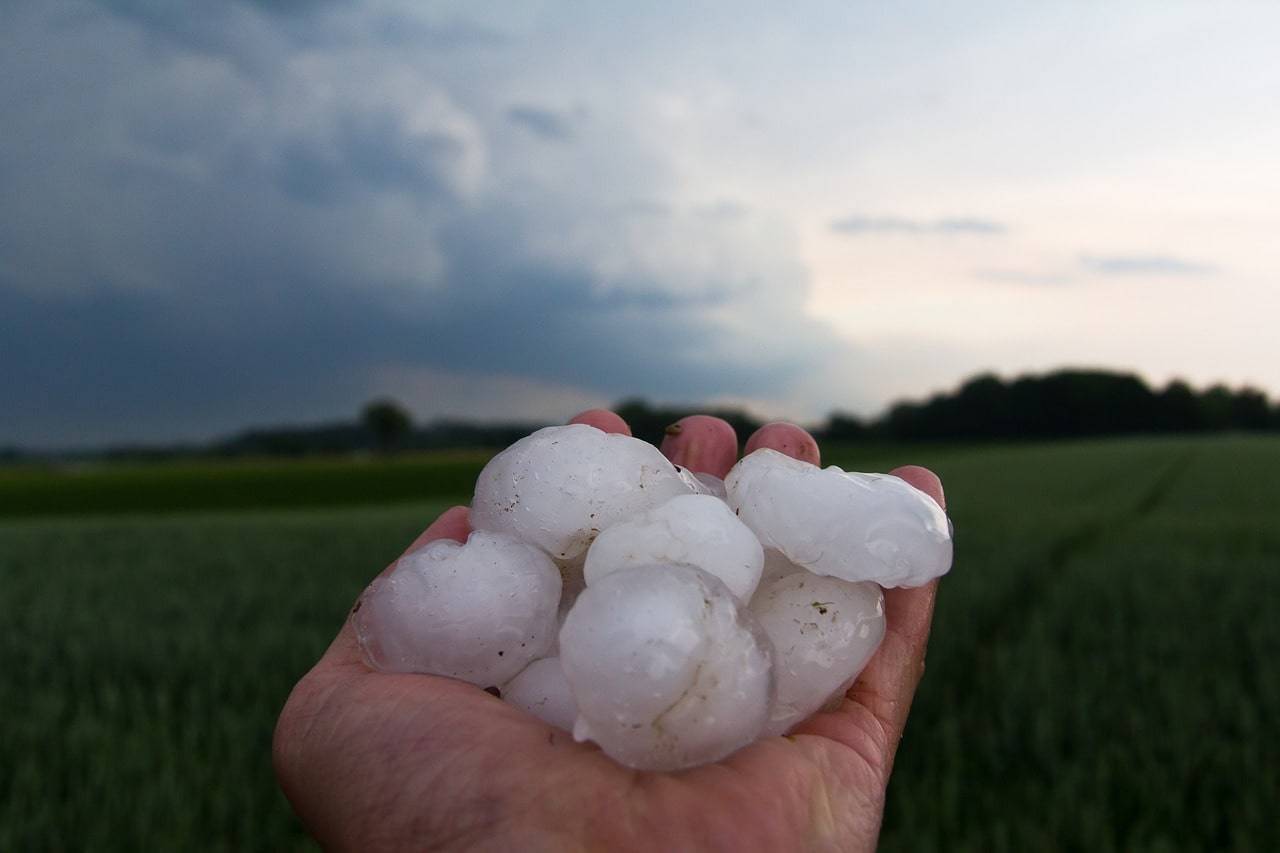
[236, 485]
[145, 661]
[1102, 674]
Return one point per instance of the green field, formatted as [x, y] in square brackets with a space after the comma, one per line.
[1103, 674]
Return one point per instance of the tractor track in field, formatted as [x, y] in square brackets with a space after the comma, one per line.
[1011, 614]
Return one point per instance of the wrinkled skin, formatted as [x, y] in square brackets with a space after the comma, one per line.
[411, 762]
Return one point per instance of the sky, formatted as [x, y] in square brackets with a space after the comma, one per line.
[217, 215]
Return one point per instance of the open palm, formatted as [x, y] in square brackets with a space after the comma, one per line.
[373, 761]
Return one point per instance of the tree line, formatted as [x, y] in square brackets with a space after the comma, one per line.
[1060, 404]
[1064, 404]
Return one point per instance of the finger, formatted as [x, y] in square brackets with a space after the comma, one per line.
[785, 438]
[702, 443]
[889, 682]
[454, 523]
[881, 697]
[924, 480]
[910, 611]
[602, 419]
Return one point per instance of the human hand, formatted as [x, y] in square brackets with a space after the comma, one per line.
[374, 761]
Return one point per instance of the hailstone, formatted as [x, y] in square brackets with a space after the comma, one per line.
[702, 483]
[823, 630]
[776, 567]
[560, 486]
[691, 530]
[852, 526]
[669, 616]
[666, 670]
[480, 611]
[542, 690]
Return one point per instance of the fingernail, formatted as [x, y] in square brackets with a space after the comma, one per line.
[785, 438]
[604, 420]
[924, 480]
[701, 443]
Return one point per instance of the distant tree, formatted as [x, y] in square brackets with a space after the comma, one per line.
[296, 440]
[981, 407]
[645, 421]
[1216, 406]
[1178, 409]
[448, 433]
[1249, 410]
[1067, 403]
[388, 424]
[908, 421]
[842, 426]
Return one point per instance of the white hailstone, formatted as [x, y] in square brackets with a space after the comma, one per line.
[666, 670]
[542, 690]
[690, 530]
[560, 486]
[852, 526]
[480, 612]
[776, 567]
[823, 630]
[702, 483]
[711, 484]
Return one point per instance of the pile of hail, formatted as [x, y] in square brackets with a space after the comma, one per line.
[668, 616]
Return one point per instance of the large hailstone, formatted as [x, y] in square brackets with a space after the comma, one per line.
[562, 485]
[666, 670]
[858, 527]
[691, 530]
[542, 690]
[823, 630]
[480, 612]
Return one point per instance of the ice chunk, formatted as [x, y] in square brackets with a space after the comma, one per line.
[823, 630]
[701, 483]
[542, 690]
[690, 530]
[776, 567]
[666, 670]
[711, 484]
[560, 486]
[851, 526]
[480, 612]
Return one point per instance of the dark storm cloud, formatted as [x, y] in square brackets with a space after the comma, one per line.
[231, 29]
[545, 123]
[855, 225]
[105, 362]
[237, 242]
[398, 28]
[1145, 265]
[371, 151]
[175, 18]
